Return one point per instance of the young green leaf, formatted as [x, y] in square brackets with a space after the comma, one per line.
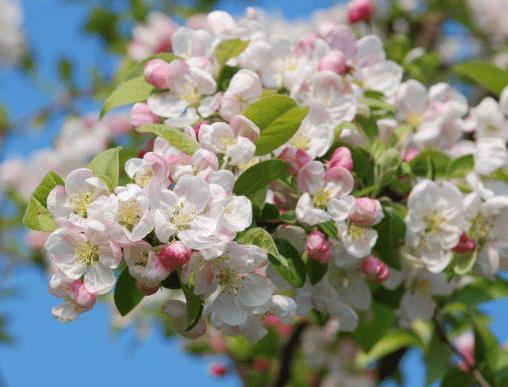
[133, 90]
[482, 290]
[260, 176]
[107, 165]
[316, 270]
[260, 237]
[126, 295]
[430, 161]
[483, 73]
[37, 217]
[175, 137]
[460, 167]
[139, 68]
[391, 231]
[194, 302]
[288, 263]
[230, 49]
[278, 118]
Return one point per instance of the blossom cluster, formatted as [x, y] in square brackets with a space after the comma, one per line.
[370, 155]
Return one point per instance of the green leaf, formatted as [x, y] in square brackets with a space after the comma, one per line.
[456, 378]
[388, 164]
[259, 176]
[106, 165]
[373, 326]
[483, 73]
[486, 348]
[230, 49]
[278, 118]
[430, 161]
[436, 359]
[391, 232]
[37, 217]
[316, 270]
[363, 163]
[329, 228]
[175, 137]
[126, 295]
[289, 217]
[288, 263]
[368, 127]
[389, 343]
[225, 76]
[139, 69]
[377, 104]
[460, 167]
[194, 302]
[463, 263]
[133, 90]
[258, 236]
[482, 290]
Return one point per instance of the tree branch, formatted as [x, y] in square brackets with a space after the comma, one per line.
[287, 354]
[472, 369]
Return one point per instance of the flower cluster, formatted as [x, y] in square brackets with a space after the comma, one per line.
[286, 174]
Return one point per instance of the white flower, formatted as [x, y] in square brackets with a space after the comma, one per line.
[435, 222]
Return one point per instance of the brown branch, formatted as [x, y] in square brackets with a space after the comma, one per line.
[472, 369]
[287, 354]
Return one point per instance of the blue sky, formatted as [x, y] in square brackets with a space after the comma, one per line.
[84, 353]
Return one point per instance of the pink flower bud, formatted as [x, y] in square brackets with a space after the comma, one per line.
[217, 369]
[334, 61]
[297, 158]
[156, 73]
[410, 155]
[341, 157]
[465, 244]
[147, 148]
[147, 291]
[81, 297]
[174, 255]
[198, 127]
[367, 212]
[142, 115]
[375, 269]
[318, 247]
[360, 10]
[260, 365]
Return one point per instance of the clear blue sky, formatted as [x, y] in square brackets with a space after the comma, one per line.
[81, 354]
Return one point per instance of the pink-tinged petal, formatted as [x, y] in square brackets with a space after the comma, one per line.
[60, 285]
[58, 203]
[167, 105]
[307, 213]
[242, 126]
[145, 225]
[74, 183]
[163, 227]
[224, 178]
[311, 177]
[339, 209]
[66, 312]
[61, 244]
[339, 37]
[227, 310]
[194, 189]
[81, 297]
[370, 51]
[339, 181]
[210, 105]
[220, 22]
[255, 290]
[177, 73]
[99, 279]
[204, 80]
[110, 255]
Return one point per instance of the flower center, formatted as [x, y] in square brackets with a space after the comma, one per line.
[227, 141]
[423, 286]
[142, 260]
[183, 215]
[355, 232]
[81, 202]
[129, 214]
[189, 93]
[434, 222]
[300, 141]
[415, 119]
[321, 198]
[229, 280]
[85, 253]
[289, 65]
[144, 178]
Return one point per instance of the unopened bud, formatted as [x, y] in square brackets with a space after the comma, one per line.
[333, 61]
[174, 255]
[260, 365]
[360, 10]
[156, 73]
[341, 157]
[82, 297]
[410, 155]
[147, 148]
[318, 247]
[198, 127]
[297, 158]
[375, 269]
[465, 244]
[142, 115]
[217, 369]
[368, 212]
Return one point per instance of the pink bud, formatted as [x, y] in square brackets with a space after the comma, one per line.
[81, 297]
[465, 244]
[318, 247]
[410, 155]
[198, 127]
[260, 365]
[297, 158]
[147, 291]
[156, 73]
[341, 157]
[142, 115]
[174, 255]
[217, 369]
[334, 61]
[147, 148]
[367, 212]
[360, 10]
[375, 269]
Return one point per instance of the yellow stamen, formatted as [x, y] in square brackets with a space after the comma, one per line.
[85, 253]
[81, 202]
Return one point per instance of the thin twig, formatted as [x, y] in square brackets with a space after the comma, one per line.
[287, 354]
